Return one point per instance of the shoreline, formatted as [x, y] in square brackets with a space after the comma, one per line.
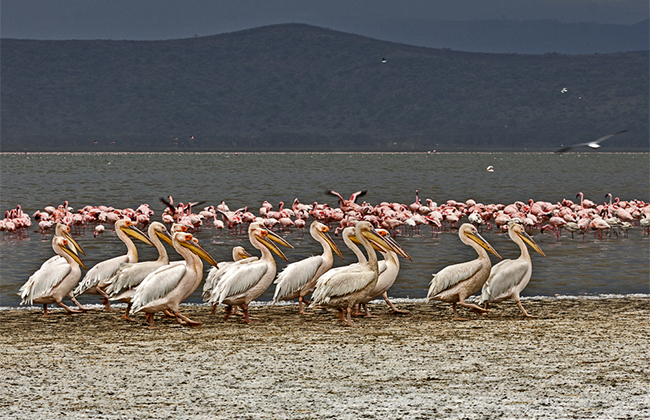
[580, 358]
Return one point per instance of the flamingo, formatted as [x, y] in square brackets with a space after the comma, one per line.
[298, 279]
[99, 277]
[457, 282]
[509, 277]
[245, 281]
[167, 287]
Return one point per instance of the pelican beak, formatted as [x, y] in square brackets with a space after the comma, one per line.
[323, 234]
[243, 254]
[482, 243]
[165, 236]
[194, 246]
[131, 230]
[75, 246]
[384, 242]
[529, 241]
[264, 237]
[395, 246]
[74, 256]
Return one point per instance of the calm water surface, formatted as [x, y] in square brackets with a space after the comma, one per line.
[615, 265]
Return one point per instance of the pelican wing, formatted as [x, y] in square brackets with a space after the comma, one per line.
[100, 272]
[295, 276]
[239, 278]
[157, 285]
[504, 276]
[214, 275]
[452, 275]
[44, 279]
[130, 275]
[382, 265]
[340, 282]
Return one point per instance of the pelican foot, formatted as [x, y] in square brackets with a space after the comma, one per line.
[456, 318]
[399, 312]
[125, 316]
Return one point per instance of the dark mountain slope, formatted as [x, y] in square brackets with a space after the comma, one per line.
[297, 86]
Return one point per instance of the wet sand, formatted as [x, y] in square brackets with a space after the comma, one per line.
[581, 358]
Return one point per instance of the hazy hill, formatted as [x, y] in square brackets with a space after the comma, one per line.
[509, 36]
[303, 87]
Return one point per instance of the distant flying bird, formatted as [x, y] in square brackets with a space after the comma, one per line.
[593, 144]
[490, 168]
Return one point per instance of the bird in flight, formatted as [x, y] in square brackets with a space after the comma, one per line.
[593, 144]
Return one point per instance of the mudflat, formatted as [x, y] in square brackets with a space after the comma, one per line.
[579, 358]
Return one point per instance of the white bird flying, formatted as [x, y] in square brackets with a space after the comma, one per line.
[593, 144]
[509, 277]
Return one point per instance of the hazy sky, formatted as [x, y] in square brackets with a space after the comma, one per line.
[168, 19]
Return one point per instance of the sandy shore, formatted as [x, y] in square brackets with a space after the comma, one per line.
[580, 358]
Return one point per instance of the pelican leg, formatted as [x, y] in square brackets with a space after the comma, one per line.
[214, 308]
[349, 318]
[357, 310]
[393, 307]
[301, 308]
[46, 314]
[456, 317]
[526, 314]
[68, 309]
[247, 319]
[149, 317]
[187, 321]
[368, 314]
[104, 299]
[168, 314]
[228, 312]
[79, 305]
[474, 308]
[126, 313]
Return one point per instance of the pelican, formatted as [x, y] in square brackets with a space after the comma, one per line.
[216, 273]
[99, 277]
[509, 277]
[55, 279]
[129, 275]
[455, 283]
[299, 279]
[345, 287]
[388, 270]
[245, 281]
[167, 287]
[593, 144]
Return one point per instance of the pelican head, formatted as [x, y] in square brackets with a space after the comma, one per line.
[161, 231]
[64, 232]
[186, 240]
[518, 230]
[321, 230]
[267, 237]
[129, 228]
[240, 253]
[380, 240]
[470, 232]
[63, 244]
[177, 227]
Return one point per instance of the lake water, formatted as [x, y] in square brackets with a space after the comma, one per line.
[615, 265]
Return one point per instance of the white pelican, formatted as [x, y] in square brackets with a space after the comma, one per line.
[55, 279]
[344, 287]
[244, 281]
[509, 277]
[388, 270]
[455, 283]
[167, 287]
[299, 279]
[99, 277]
[129, 275]
[215, 273]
